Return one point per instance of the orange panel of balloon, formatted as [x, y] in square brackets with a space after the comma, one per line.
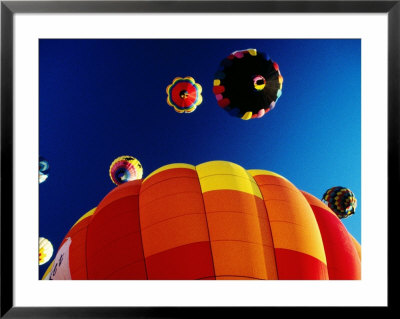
[212, 221]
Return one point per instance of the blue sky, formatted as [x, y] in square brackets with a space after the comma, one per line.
[100, 99]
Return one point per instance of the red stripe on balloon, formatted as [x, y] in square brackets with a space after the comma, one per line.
[77, 252]
[341, 255]
[192, 261]
[116, 256]
[113, 237]
[294, 265]
[134, 271]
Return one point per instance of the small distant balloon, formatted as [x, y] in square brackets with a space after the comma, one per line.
[341, 200]
[44, 168]
[184, 94]
[247, 84]
[45, 250]
[124, 169]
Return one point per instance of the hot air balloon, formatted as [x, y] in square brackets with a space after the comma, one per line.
[44, 168]
[212, 221]
[341, 200]
[124, 169]
[45, 250]
[247, 84]
[184, 94]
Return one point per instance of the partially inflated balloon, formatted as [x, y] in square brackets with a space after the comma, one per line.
[124, 169]
[45, 250]
[247, 84]
[184, 94]
[341, 200]
[43, 169]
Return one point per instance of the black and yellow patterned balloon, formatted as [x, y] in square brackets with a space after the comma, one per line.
[247, 84]
[341, 200]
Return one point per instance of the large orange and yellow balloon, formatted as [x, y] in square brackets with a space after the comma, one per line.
[212, 221]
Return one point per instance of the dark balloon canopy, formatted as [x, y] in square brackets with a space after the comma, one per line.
[341, 200]
[247, 84]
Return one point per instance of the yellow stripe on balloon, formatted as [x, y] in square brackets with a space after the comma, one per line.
[89, 213]
[48, 270]
[220, 167]
[216, 175]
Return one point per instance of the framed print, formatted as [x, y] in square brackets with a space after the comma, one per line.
[196, 155]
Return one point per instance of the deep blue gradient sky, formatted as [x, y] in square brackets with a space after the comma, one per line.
[100, 99]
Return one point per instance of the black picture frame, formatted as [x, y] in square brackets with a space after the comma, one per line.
[9, 8]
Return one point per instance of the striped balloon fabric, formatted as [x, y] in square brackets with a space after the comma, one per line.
[212, 221]
[45, 250]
